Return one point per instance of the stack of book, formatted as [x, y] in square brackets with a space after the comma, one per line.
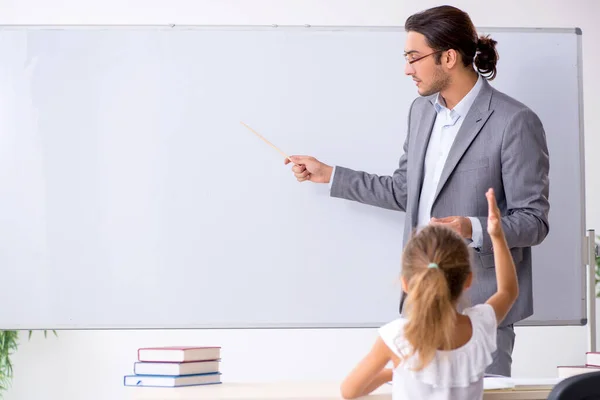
[176, 366]
[592, 364]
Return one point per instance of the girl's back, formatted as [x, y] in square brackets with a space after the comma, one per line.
[452, 374]
[437, 351]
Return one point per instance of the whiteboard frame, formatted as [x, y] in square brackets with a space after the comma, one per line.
[590, 320]
[359, 28]
[585, 290]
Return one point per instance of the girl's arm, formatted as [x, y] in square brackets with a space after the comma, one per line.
[506, 275]
[370, 373]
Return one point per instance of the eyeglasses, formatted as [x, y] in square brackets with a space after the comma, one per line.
[414, 60]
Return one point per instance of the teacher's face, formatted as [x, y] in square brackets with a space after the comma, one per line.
[429, 77]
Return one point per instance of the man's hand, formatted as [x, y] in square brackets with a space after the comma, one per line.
[461, 225]
[310, 169]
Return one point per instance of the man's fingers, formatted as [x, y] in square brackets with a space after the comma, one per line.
[303, 174]
[300, 159]
[450, 222]
[443, 220]
[298, 169]
[303, 178]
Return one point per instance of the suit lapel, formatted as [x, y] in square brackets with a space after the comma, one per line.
[423, 133]
[474, 120]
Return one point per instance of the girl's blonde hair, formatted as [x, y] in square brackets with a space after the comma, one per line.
[435, 265]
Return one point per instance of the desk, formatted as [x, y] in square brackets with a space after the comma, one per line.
[292, 391]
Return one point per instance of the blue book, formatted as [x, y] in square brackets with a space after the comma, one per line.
[172, 381]
[176, 368]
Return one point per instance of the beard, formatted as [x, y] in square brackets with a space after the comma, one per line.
[439, 81]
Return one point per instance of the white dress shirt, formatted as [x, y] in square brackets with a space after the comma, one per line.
[447, 124]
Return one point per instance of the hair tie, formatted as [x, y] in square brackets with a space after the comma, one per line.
[432, 265]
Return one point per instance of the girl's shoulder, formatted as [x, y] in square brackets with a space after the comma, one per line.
[392, 335]
[483, 319]
[454, 368]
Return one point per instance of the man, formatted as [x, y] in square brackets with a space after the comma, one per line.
[463, 137]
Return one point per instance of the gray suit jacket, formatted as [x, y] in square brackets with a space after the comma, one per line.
[501, 144]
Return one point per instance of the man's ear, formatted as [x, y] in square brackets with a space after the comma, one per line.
[450, 58]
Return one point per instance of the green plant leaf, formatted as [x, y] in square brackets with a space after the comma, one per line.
[9, 342]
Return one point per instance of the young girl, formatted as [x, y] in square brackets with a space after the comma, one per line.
[437, 352]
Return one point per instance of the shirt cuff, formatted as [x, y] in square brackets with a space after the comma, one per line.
[477, 233]
[331, 179]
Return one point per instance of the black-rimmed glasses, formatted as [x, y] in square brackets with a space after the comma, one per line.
[414, 60]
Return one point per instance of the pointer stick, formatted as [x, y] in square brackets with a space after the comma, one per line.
[266, 141]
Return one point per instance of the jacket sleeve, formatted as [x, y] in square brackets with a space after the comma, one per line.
[525, 169]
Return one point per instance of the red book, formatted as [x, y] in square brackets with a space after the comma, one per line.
[179, 353]
[592, 359]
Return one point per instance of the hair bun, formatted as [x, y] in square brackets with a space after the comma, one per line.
[486, 57]
[484, 42]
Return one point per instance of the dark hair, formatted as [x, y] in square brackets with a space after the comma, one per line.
[435, 263]
[447, 27]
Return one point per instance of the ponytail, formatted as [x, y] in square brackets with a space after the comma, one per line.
[431, 314]
[486, 57]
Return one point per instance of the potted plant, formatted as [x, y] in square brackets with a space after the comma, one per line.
[9, 341]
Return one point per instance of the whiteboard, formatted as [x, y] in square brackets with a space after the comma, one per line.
[132, 197]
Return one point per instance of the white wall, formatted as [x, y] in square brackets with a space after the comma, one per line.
[95, 361]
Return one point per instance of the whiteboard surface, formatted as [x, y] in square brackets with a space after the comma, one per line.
[133, 198]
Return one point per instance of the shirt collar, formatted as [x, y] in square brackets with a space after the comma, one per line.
[463, 106]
